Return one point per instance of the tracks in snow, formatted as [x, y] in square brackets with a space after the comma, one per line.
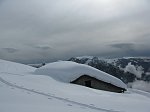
[56, 97]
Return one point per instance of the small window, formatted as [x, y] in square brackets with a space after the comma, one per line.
[88, 83]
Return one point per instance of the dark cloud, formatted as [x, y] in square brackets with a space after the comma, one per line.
[1, 1]
[131, 49]
[43, 47]
[125, 49]
[124, 46]
[59, 29]
[10, 50]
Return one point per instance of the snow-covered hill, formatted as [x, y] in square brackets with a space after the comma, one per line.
[12, 67]
[21, 90]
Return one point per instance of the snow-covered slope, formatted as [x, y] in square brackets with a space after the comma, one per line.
[41, 93]
[67, 71]
[12, 67]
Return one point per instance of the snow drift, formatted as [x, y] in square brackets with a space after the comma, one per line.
[41, 93]
[12, 67]
[66, 71]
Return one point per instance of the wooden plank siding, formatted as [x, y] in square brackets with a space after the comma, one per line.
[92, 82]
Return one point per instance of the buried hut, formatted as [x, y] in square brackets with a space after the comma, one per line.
[71, 72]
[95, 83]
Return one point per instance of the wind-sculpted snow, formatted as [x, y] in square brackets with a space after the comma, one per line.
[67, 71]
[27, 92]
[7, 66]
[57, 97]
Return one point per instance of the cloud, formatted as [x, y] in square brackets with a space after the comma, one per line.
[141, 85]
[123, 46]
[63, 28]
[137, 71]
[1, 1]
[10, 50]
[43, 47]
[125, 49]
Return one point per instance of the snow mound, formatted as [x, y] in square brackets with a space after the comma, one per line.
[67, 71]
[12, 67]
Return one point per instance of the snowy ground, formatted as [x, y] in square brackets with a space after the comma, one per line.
[26, 92]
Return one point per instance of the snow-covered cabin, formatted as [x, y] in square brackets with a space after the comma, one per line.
[71, 72]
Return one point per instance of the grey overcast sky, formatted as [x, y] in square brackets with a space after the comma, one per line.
[34, 31]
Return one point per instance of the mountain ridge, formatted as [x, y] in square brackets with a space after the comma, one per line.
[128, 69]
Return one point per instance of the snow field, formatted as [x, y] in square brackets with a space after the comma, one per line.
[24, 91]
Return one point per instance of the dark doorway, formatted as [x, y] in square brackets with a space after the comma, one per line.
[88, 83]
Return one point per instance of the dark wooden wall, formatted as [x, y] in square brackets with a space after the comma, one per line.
[97, 84]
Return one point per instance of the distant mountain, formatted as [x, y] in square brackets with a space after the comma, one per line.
[127, 69]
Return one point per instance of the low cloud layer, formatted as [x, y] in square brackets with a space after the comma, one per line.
[49, 30]
[137, 71]
[123, 46]
[141, 85]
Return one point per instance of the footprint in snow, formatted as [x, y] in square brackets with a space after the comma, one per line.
[50, 98]
[69, 105]
[66, 98]
[92, 105]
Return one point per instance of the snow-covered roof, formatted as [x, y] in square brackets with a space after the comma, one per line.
[67, 71]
